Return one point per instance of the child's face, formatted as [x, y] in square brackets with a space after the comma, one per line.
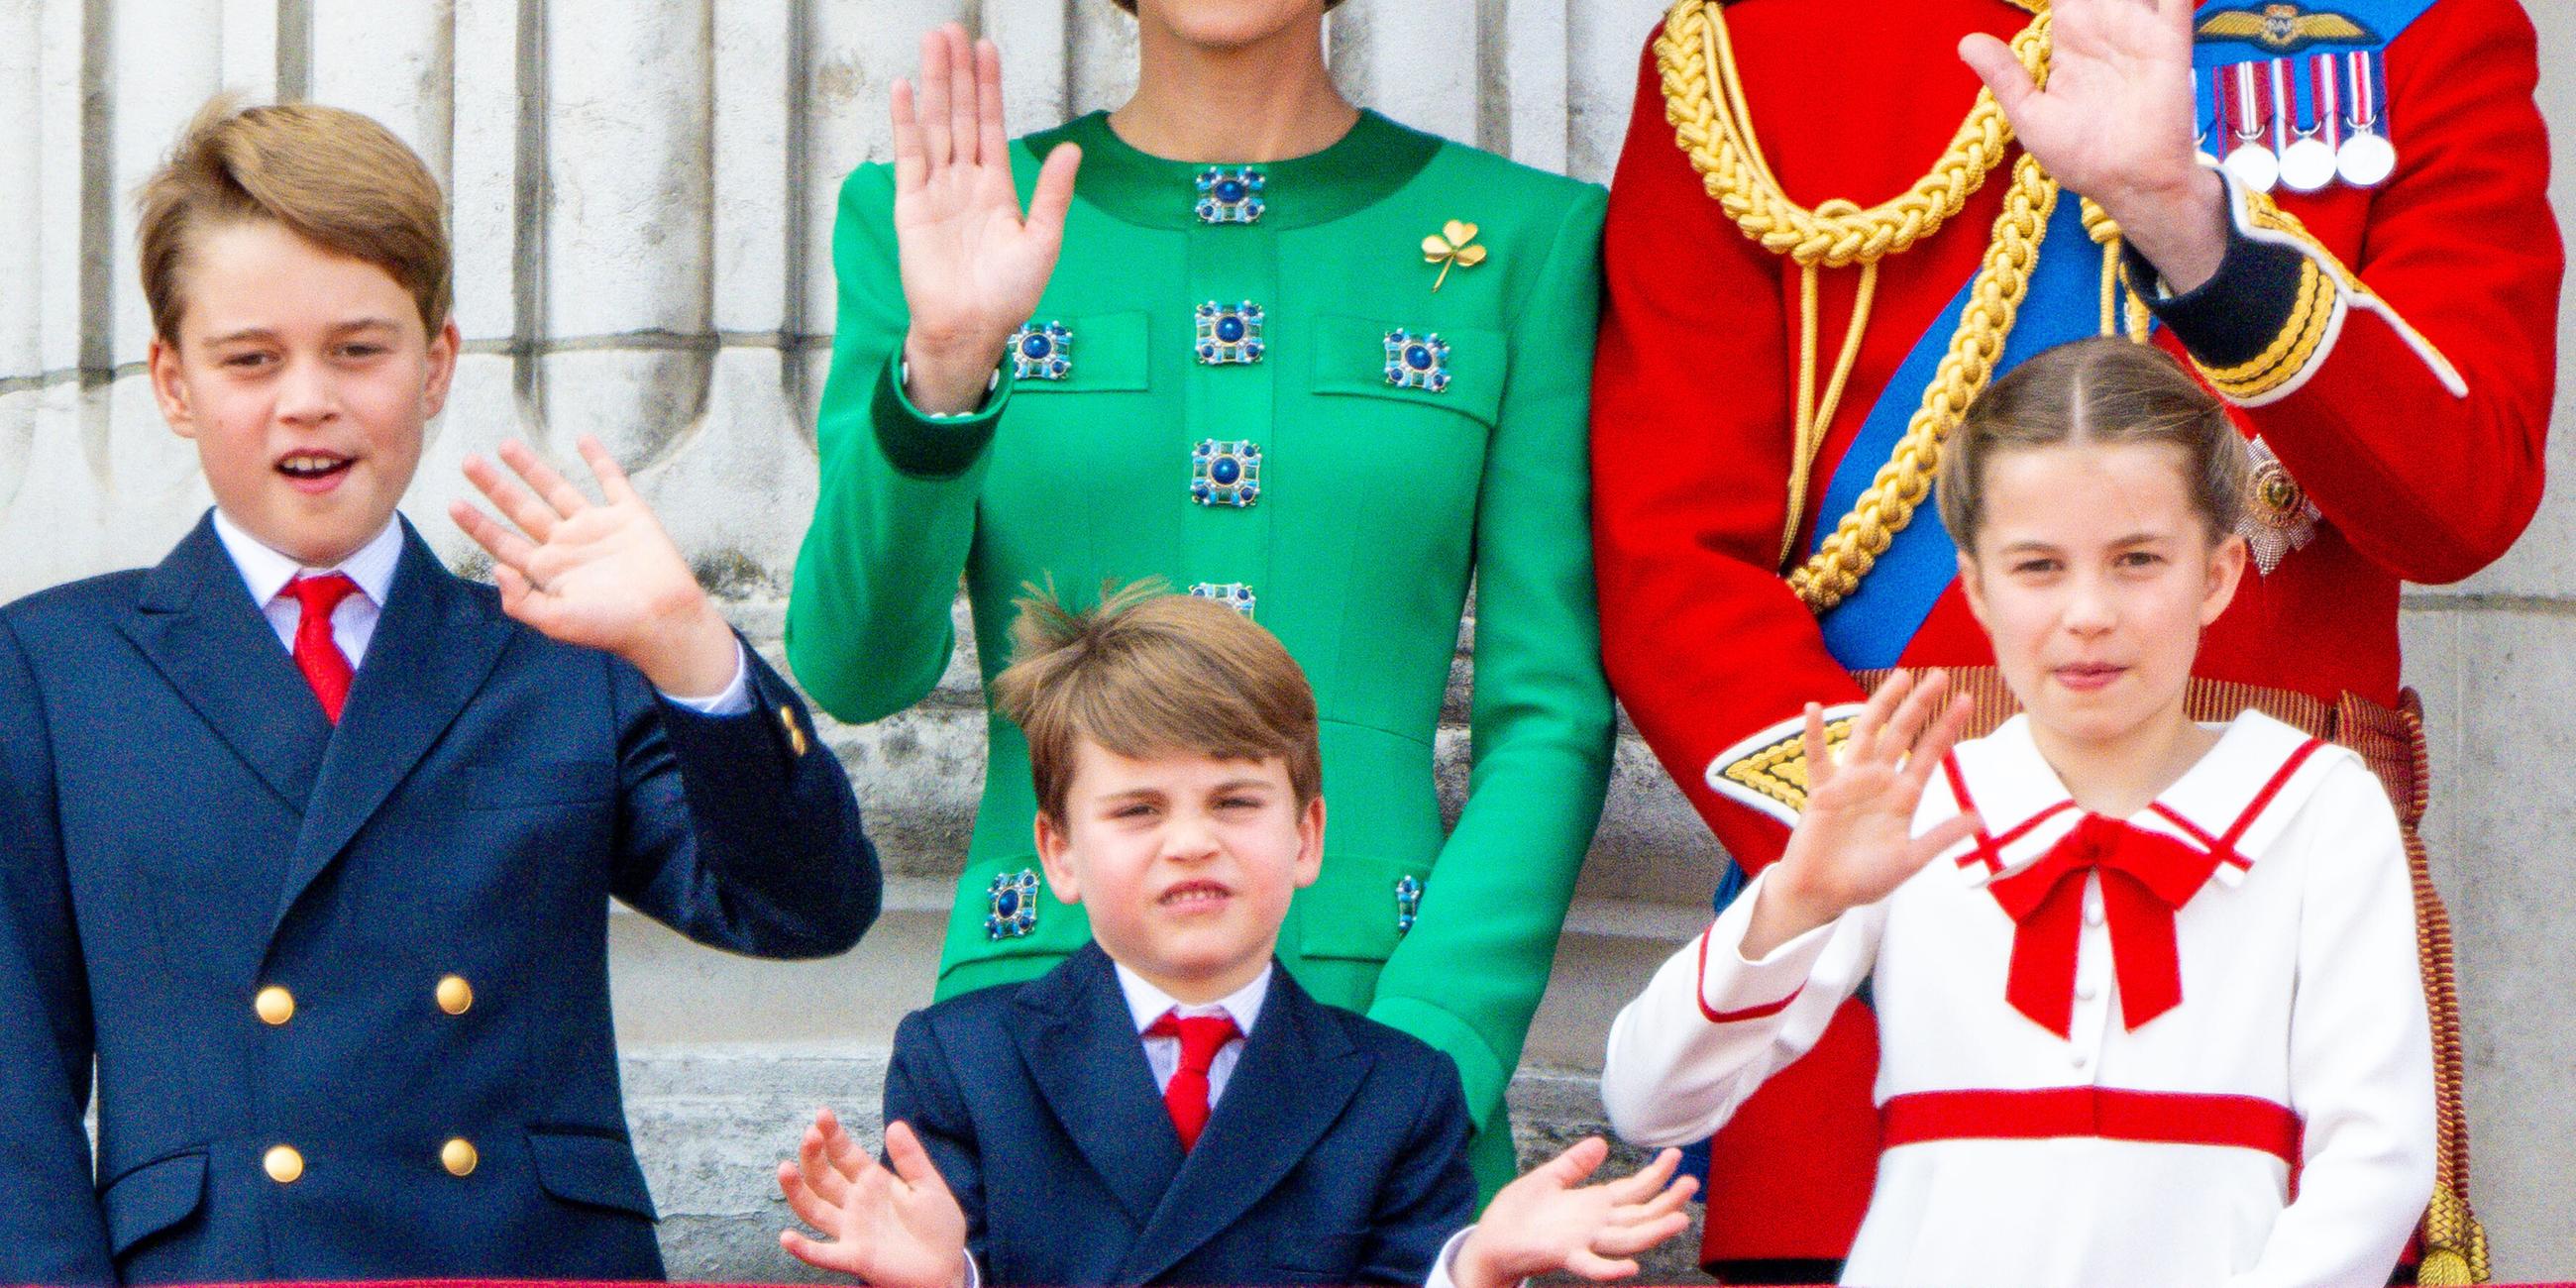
[1185, 862]
[2094, 576]
[1220, 25]
[306, 379]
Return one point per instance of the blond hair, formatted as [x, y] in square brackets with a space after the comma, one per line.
[1149, 673]
[333, 177]
[2108, 391]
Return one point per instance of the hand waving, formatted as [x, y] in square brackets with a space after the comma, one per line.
[603, 576]
[1549, 1221]
[892, 1229]
[2115, 124]
[1854, 842]
[973, 268]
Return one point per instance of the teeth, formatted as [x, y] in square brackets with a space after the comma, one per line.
[308, 463]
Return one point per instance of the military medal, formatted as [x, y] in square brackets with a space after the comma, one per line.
[2279, 517]
[2248, 161]
[2308, 164]
[2366, 158]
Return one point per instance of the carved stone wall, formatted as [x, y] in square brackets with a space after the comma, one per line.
[643, 193]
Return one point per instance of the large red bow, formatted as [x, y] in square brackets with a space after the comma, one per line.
[2145, 877]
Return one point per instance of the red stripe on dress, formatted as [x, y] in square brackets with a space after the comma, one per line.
[2107, 1113]
[2224, 845]
[1699, 993]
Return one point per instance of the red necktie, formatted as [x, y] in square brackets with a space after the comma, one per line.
[1202, 1036]
[2145, 877]
[318, 655]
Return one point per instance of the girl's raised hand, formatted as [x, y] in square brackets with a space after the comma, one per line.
[1854, 842]
[973, 267]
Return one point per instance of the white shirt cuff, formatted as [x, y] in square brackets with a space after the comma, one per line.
[732, 700]
[1443, 1266]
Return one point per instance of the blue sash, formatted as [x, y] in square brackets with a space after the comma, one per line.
[1872, 627]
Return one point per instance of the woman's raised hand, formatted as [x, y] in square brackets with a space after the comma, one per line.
[973, 266]
[1854, 842]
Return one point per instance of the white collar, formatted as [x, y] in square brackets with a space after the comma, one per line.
[1147, 1003]
[2233, 800]
[266, 572]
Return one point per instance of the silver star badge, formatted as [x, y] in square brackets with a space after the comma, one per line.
[2279, 517]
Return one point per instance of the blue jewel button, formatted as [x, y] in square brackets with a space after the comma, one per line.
[1408, 903]
[1014, 905]
[1042, 352]
[1233, 594]
[1229, 333]
[1417, 361]
[1225, 472]
[1230, 195]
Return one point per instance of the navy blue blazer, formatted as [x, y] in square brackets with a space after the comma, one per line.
[1337, 1154]
[181, 831]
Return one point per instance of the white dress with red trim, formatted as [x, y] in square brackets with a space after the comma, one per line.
[2112, 1051]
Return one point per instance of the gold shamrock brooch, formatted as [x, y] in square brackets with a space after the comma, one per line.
[1454, 246]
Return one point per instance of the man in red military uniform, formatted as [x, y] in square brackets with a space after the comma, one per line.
[2371, 279]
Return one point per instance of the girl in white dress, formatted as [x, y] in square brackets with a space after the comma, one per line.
[2146, 989]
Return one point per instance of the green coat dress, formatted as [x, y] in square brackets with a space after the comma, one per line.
[1340, 465]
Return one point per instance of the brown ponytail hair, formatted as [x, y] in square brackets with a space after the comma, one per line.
[2106, 390]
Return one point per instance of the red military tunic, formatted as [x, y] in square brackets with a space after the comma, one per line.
[2408, 396]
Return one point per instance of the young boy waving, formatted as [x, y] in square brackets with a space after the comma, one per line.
[306, 845]
[1168, 1106]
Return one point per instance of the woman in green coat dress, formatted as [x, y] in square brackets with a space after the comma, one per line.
[1294, 356]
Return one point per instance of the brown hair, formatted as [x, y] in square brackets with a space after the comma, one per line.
[332, 177]
[1150, 673]
[2104, 390]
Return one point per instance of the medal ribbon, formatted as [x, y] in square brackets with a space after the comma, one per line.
[2145, 876]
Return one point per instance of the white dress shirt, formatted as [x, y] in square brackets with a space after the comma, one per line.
[265, 572]
[1148, 1004]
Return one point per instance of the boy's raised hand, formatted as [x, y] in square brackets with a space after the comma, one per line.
[1550, 1222]
[893, 1229]
[1854, 842]
[973, 267]
[603, 575]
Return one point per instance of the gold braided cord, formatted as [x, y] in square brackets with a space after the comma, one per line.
[1832, 573]
[2105, 232]
[1704, 101]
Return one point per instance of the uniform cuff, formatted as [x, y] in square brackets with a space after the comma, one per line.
[2234, 317]
[924, 445]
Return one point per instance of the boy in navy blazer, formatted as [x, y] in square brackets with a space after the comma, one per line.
[306, 845]
[1168, 1106]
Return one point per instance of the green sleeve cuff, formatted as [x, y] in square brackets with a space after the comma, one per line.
[1484, 1078]
[924, 446]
